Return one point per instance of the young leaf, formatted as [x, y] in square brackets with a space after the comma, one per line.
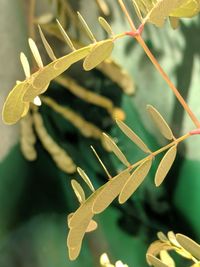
[162, 9]
[85, 178]
[134, 181]
[174, 22]
[157, 246]
[152, 260]
[162, 237]
[92, 226]
[65, 36]
[76, 234]
[14, 106]
[74, 252]
[35, 52]
[85, 210]
[86, 27]
[99, 53]
[165, 165]
[133, 137]
[160, 122]
[78, 190]
[167, 259]
[115, 149]
[46, 45]
[42, 78]
[25, 65]
[109, 192]
[187, 9]
[172, 239]
[106, 26]
[101, 162]
[189, 245]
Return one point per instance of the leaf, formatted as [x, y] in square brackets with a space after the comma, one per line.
[77, 233]
[35, 53]
[99, 53]
[189, 245]
[14, 105]
[46, 45]
[85, 178]
[133, 137]
[174, 22]
[134, 181]
[106, 26]
[152, 260]
[109, 192]
[188, 9]
[78, 190]
[160, 122]
[157, 246]
[161, 10]
[86, 27]
[25, 65]
[165, 165]
[92, 226]
[74, 252]
[172, 239]
[162, 237]
[115, 149]
[65, 36]
[167, 259]
[42, 78]
[101, 162]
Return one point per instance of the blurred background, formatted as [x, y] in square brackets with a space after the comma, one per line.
[36, 195]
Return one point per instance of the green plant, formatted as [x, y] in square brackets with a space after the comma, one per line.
[19, 99]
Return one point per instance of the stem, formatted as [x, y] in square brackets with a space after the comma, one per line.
[31, 19]
[158, 67]
[162, 149]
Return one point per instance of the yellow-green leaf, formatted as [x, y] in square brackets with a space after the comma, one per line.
[76, 234]
[189, 8]
[160, 122]
[152, 260]
[46, 45]
[165, 165]
[99, 53]
[25, 65]
[14, 105]
[65, 36]
[162, 237]
[35, 52]
[157, 246]
[109, 192]
[85, 178]
[92, 226]
[172, 239]
[115, 149]
[74, 252]
[85, 210]
[42, 78]
[189, 245]
[167, 259]
[134, 181]
[161, 10]
[105, 25]
[78, 190]
[133, 137]
[86, 27]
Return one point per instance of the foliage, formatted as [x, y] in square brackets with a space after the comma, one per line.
[20, 104]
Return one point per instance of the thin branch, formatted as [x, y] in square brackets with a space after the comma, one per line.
[157, 66]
